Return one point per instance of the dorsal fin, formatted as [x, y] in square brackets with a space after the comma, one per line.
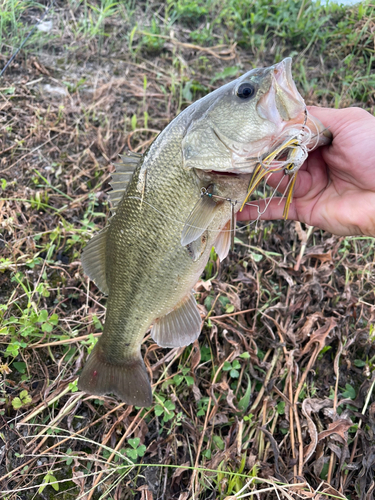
[93, 260]
[122, 175]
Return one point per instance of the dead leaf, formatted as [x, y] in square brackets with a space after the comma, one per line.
[195, 356]
[146, 494]
[219, 418]
[203, 285]
[312, 406]
[338, 427]
[181, 468]
[320, 336]
[323, 257]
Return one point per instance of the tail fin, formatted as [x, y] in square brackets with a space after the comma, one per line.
[128, 380]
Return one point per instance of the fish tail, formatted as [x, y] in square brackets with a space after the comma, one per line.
[128, 380]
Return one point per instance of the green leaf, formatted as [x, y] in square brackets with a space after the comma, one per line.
[12, 349]
[245, 355]
[208, 301]
[256, 257]
[43, 316]
[73, 387]
[224, 301]
[134, 442]
[234, 373]
[219, 442]
[55, 484]
[169, 406]
[54, 319]
[49, 478]
[20, 366]
[132, 454]
[25, 397]
[16, 403]
[245, 400]
[159, 410]
[69, 460]
[47, 327]
[189, 380]
[358, 362]
[349, 392]
[177, 379]
[229, 308]
[280, 407]
[9, 90]
[227, 366]
[141, 450]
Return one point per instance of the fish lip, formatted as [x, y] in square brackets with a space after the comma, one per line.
[284, 68]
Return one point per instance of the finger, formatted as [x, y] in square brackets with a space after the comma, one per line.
[267, 210]
[336, 120]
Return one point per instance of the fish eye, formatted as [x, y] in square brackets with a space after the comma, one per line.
[246, 90]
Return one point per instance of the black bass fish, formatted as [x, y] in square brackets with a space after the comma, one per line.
[170, 208]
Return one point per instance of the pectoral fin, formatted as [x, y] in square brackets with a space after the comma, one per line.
[180, 327]
[223, 241]
[198, 220]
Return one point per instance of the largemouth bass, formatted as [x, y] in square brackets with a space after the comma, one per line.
[171, 207]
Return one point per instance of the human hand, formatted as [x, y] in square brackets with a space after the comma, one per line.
[335, 187]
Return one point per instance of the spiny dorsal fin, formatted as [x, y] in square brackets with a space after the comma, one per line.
[198, 220]
[93, 260]
[122, 175]
[180, 327]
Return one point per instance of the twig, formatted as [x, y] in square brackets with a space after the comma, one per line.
[303, 248]
[266, 380]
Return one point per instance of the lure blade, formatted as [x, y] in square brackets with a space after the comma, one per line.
[232, 225]
[289, 197]
[254, 182]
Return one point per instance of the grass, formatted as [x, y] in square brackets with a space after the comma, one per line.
[232, 413]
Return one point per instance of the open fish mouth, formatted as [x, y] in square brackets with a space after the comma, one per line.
[282, 103]
[300, 132]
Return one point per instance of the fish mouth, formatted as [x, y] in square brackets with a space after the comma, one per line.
[282, 103]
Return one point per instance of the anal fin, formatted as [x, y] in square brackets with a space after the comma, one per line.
[180, 327]
[93, 260]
